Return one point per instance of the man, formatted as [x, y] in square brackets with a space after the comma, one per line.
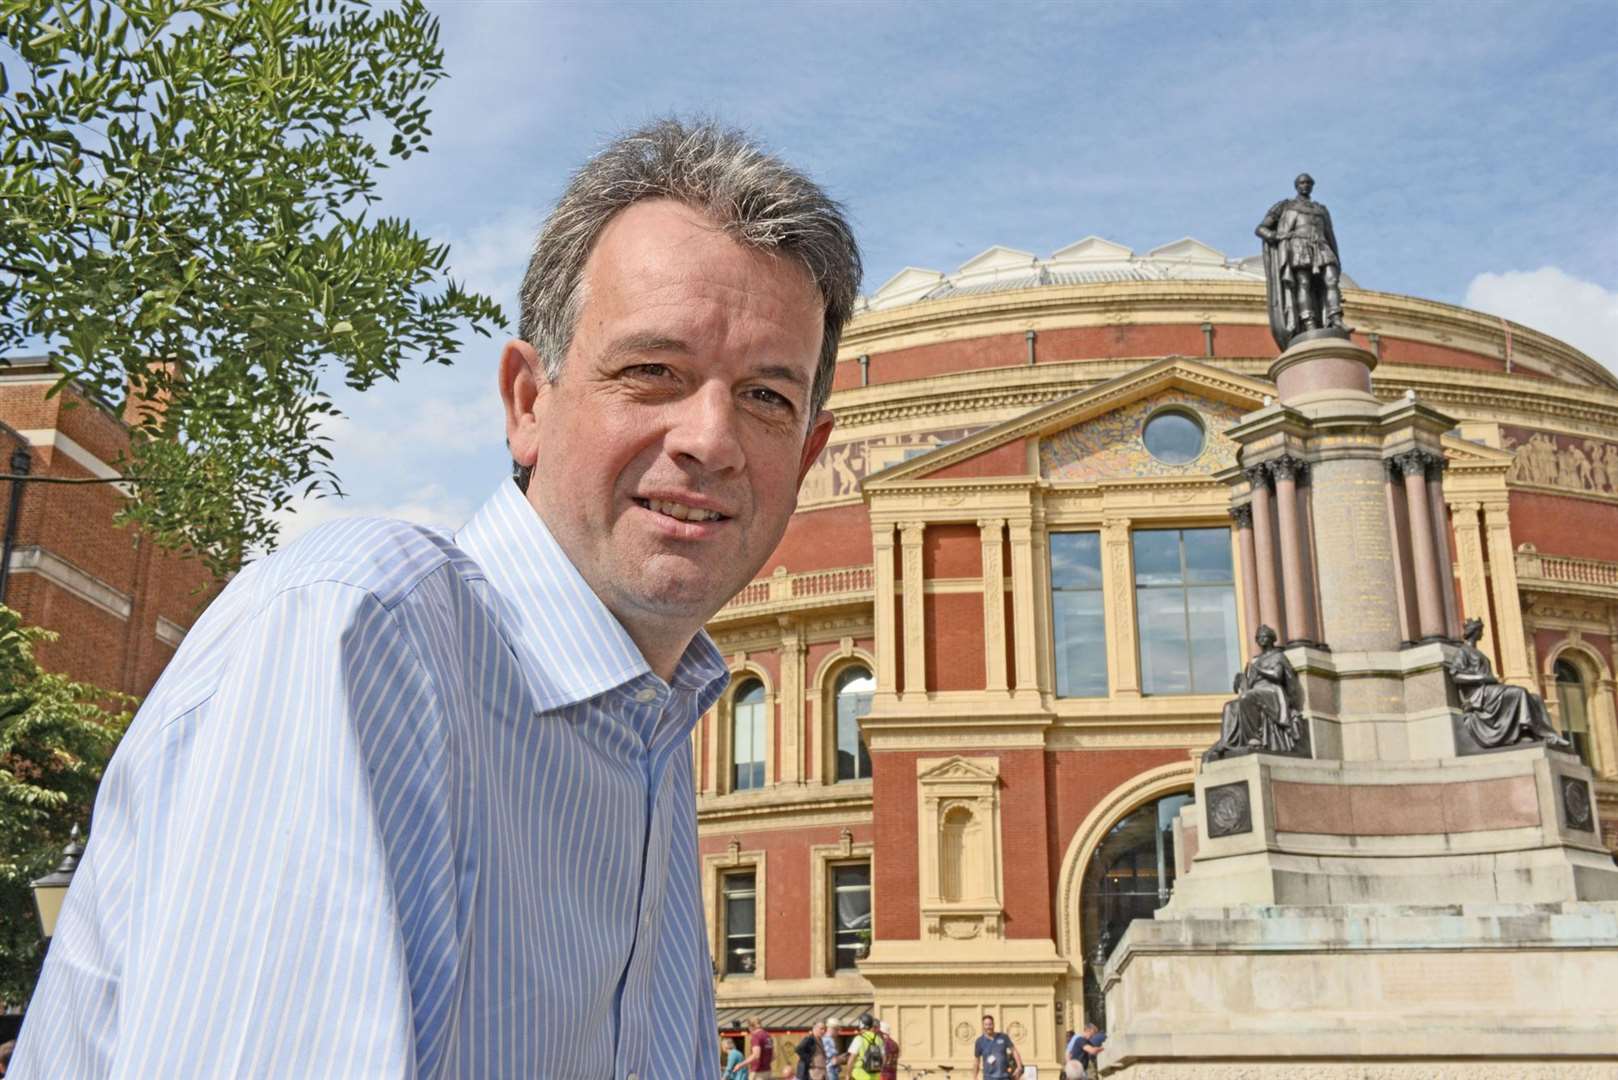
[994, 1054]
[760, 1048]
[834, 1056]
[890, 1064]
[1301, 265]
[811, 1055]
[1084, 1051]
[866, 1050]
[411, 804]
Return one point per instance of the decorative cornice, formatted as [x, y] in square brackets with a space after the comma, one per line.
[34, 559]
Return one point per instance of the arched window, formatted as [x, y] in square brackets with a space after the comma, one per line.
[852, 699]
[952, 866]
[1129, 877]
[747, 736]
[1575, 709]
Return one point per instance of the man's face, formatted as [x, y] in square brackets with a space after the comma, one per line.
[988, 1025]
[1305, 184]
[668, 455]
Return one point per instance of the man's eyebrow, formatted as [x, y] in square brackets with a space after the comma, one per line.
[644, 342]
[785, 372]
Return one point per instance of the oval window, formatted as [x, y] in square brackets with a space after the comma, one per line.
[1174, 437]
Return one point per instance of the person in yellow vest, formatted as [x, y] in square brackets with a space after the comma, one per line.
[867, 1052]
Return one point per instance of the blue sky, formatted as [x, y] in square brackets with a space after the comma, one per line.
[1466, 151]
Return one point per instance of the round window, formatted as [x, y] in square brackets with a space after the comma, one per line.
[1174, 437]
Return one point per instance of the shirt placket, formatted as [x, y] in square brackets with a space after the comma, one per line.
[635, 1039]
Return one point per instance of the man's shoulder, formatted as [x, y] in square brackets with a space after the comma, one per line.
[384, 557]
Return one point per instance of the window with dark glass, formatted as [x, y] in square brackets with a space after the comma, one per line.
[747, 736]
[1078, 620]
[1130, 876]
[1574, 707]
[740, 910]
[852, 696]
[851, 912]
[1185, 610]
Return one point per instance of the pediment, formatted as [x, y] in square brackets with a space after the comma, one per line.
[1464, 452]
[958, 769]
[998, 258]
[910, 280]
[1093, 249]
[1083, 437]
[1188, 249]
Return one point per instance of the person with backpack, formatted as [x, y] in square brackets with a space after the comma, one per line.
[867, 1052]
[890, 1064]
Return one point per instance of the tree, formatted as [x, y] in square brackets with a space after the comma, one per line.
[184, 197]
[56, 736]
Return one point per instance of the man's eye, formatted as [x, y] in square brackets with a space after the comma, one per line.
[649, 371]
[771, 398]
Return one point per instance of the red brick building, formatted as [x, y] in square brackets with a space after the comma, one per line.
[120, 603]
[972, 683]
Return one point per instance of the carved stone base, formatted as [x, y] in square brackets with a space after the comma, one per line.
[1535, 1069]
[1366, 991]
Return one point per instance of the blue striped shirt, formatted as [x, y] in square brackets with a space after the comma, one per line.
[404, 804]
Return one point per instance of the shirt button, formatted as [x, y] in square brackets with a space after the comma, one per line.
[633, 1076]
[643, 696]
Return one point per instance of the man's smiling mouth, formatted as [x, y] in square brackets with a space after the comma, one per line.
[679, 511]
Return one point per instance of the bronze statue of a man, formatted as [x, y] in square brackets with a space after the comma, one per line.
[1301, 266]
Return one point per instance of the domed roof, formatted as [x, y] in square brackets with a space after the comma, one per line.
[1092, 260]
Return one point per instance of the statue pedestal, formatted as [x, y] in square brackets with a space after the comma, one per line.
[1405, 902]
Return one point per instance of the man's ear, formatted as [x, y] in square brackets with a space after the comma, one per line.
[819, 432]
[522, 382]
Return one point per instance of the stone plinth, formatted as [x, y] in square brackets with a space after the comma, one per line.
[1357, 991]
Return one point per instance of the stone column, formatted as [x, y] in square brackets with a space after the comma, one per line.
[883, 588]
[1429, 601]
[990, 532]
[1118, 588]
[1436, 508]
[1269, 593]
[1023, 599]
[1474, 578]
[792, 733]
[1404, 578]
[910, 535]
[1514, 663]
[1311, 574]
[1295, 589]
[1242, 518]
[1602, 727]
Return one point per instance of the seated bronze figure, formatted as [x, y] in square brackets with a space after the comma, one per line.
[1266, 714]
[1497, 714]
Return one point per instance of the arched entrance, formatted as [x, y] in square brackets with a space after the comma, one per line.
[1118, 867]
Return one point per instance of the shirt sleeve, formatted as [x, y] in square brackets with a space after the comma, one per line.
[235, 913]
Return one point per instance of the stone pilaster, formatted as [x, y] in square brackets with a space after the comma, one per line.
[1242, 520]
[1118, 585]
[885, 615]
[1514, 662]
[910, 537]
[1023, 599]
[793, 647]
[991, 532]
[1474, 578]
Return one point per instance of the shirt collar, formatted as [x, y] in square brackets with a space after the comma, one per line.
[570, 646]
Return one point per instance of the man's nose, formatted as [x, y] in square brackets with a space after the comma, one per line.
[703, 430]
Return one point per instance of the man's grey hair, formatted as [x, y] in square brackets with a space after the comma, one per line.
[757, 198]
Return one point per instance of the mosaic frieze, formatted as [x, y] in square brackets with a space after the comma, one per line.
[1562, 461]
[1111, 446]
[840, 469]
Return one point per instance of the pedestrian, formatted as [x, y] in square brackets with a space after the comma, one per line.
[866, 1052]
[1084, 1050]
[735, 1064]
[367, 761]
[834, 1055]
[890, 1064]
[760, 1048]
[994, 1054]
[811, 1055]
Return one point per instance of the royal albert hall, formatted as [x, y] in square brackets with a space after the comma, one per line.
[971, 686]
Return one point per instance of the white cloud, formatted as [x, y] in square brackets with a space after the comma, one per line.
[1581, 313]
[429, 504]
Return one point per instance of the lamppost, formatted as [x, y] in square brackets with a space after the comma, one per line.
[51, 890]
